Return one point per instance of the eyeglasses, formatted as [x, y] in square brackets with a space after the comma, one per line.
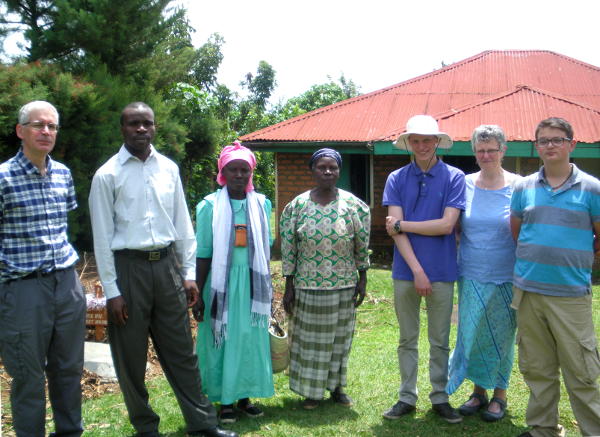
[556, 141]
[38, 125]
[491, 152]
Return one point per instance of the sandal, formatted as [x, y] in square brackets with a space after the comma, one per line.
[469, 410]
[488, 416]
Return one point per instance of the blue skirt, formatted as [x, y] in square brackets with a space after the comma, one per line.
[485, 342]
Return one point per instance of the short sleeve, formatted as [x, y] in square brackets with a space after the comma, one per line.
[204, 234]
[456, 196]
[392, 195]
[516, 208]
[289, 248]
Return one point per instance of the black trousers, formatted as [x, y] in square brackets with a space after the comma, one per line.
[157, 307]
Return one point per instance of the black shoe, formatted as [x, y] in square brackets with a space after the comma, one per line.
[227, 414]
[398, 410]
[446, 412]
[148, 434]
[468, 410]
[215, 431]
[339, 397]
[249, 408]
[525, 434]
[488, 416]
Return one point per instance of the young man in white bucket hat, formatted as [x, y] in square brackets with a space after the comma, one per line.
[424, 200]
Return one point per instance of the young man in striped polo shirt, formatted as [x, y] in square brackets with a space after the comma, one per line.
[42, 306]
[555, 214]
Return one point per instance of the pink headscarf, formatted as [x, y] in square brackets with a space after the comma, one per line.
[233, 152]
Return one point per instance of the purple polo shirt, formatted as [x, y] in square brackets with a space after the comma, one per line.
[425, 196]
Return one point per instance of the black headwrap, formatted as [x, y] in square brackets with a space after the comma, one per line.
[330, 153]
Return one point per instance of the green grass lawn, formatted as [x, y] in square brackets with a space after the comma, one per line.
[373, 383]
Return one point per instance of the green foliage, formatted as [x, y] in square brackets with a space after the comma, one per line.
[87, 33]
[83, 140]
[316, 97]
[207, 61]
[138, 50]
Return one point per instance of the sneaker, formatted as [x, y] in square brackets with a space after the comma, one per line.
[227, 414]
[469, 410]
[446, 412]
[398, 410]
[249, 408]
[310, 404]
[339, 397]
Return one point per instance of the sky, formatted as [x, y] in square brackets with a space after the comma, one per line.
[378, 43]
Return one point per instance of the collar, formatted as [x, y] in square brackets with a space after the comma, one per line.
[432, 171]
[123, 156]
[28, 166]
[573, 179]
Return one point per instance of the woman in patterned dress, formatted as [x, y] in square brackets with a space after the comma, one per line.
[486, 327]
[324, 246]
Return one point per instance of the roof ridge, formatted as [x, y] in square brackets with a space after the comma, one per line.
[486, 100]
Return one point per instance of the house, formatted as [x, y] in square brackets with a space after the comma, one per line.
[514, 89]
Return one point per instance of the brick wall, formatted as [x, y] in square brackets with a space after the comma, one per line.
[293, 178]
[383, 165]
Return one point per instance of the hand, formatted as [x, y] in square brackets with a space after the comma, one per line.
[191, 290]
[390, 221]
[596, 245]
[422, 284]
[289, 296]
[359, 293]
[117, 310]
[198, 310]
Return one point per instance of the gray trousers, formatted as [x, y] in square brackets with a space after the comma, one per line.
[157, 306]
[439, 311]
[42, 331]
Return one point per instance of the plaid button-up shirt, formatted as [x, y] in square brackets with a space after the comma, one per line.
[33, 217]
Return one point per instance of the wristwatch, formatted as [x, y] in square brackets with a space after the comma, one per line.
[397, 227]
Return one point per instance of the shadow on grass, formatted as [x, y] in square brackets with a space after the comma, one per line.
[430, 424]
[290, 411]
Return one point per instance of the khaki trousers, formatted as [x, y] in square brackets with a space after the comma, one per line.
[439, 310]
[556, 334]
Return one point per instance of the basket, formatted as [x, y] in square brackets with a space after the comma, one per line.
[280, 350]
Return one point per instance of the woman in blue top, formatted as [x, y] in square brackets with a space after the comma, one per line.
[486, 328]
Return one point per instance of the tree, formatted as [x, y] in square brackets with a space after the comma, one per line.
[317, 96]
[32, 17]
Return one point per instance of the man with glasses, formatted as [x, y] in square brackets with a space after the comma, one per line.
[42, 306]
[424, 200]
[555, 216]
[145, 250]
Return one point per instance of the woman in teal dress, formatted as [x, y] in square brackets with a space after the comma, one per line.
[233, 236]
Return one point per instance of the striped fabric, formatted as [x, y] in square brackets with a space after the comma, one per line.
[554, 251]
[33, 217]
[321, 332]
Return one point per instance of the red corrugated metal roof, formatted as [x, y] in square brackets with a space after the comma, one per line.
[514, 89]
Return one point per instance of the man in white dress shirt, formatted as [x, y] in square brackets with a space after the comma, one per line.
[145, 251]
